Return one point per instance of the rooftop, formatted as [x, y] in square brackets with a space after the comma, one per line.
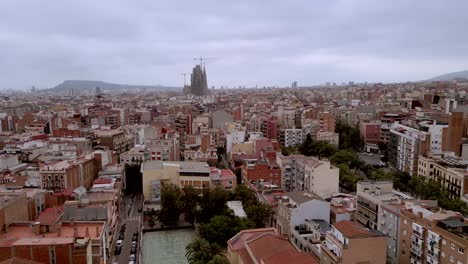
[354, 230]
[302, 197]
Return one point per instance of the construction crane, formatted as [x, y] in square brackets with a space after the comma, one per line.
[184, 74]
[201, 59]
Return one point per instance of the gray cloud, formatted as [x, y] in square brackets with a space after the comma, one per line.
[256, 42]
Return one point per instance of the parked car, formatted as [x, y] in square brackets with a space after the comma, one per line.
[119, 243]
[133, 249]
[132, 257]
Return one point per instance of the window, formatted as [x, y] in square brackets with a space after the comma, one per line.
[404, 232]
[461, 250]
[452, 259]
[443, 254]
[405, 222]
[452, 246]
[444, 242]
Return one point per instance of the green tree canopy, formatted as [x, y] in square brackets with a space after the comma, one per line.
[221, 228]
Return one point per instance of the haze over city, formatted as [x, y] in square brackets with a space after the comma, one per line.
[254, 42]
[215, 132]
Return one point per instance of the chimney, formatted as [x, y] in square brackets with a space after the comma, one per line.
[420, 214]
[87, 231]
[59, 232]
[75, 232]
[97, 231]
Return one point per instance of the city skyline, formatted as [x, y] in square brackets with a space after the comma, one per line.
[255, 44]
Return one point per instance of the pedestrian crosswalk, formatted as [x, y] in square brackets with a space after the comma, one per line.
[133, 218]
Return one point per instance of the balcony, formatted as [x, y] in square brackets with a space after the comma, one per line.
[331, 254]
[418, 234]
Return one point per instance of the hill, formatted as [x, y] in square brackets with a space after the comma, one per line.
[90, 86]
[450, 76]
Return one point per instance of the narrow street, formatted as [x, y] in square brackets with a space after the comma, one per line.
[132, 220]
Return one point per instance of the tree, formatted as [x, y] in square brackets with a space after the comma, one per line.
[170, 197]
[258, 213]
[346, 157]
[243, 193]
[189, 201]
[213, 202]
[151, 222]
[350, 137]
[197, 250]
[221, 228]
[201, 251]
[305, 147]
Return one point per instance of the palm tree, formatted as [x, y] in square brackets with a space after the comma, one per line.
[218, 259]
[197, 251]
[201, 251]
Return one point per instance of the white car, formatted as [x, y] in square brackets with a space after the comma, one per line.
[132, 257]
[119, 243]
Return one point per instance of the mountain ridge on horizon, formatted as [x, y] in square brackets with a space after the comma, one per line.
[89, 85]
[450, 76]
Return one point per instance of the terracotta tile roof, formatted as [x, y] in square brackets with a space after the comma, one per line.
[354, 230]
[237, 242]
[267, 245]
[50, 216]
[290, 255]
[66, 192]
[102, 181]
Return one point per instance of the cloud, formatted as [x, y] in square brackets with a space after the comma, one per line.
[255, 42]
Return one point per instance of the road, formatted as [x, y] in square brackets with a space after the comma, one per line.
[132, 219]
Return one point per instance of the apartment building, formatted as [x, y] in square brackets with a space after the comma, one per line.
[68, 174]
[450, 172]
[370, 132]
[301, 173]
[406, 144]
[296, 207]
[290, 137]
[432, 237]
[13, 208]
[114, 139]
[370, 196]
[254, 170]
[385, 123]
[329, 137]
[48, 240]
[389, 222]
[348, 242]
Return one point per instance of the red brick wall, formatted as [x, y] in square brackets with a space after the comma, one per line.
[5, 253]
[40, 254]
[62, 253]
[262, 172]
[23, 252]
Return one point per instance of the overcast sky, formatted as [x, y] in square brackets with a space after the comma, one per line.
[258, 42]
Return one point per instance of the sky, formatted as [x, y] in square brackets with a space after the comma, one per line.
[264, 43]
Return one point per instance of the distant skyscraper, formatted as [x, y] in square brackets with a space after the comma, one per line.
[199, 84]
[294, 84]
[98, 90]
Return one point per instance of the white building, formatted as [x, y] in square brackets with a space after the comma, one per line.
[436, 135]
[290, 137]
[297, 207]
[406, 144]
